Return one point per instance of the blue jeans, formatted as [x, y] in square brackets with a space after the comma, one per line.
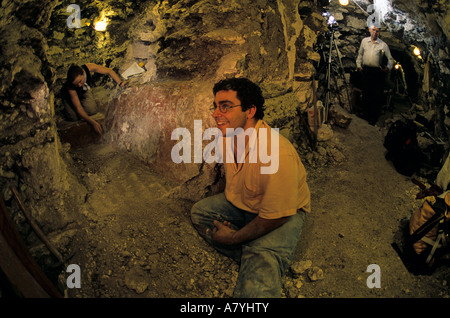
[264, 260]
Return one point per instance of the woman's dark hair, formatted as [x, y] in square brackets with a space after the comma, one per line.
[72, 73]
[247, 92]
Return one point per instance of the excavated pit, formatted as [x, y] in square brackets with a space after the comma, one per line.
[136, 240]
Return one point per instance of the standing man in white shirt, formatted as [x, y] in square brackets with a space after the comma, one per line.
[370, 58]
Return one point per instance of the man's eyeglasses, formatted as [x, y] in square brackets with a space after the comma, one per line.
[222, 107]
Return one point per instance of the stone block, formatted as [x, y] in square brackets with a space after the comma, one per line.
[140, 50]
[143, 118]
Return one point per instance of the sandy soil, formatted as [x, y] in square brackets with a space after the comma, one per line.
[136, 242]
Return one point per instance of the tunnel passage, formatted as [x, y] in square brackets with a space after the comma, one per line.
[410, 73]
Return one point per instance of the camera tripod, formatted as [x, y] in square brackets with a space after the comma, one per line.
[333, 69]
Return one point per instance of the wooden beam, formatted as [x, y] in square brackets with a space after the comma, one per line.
[20, 268]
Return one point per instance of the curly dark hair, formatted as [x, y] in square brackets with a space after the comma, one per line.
[247, 92]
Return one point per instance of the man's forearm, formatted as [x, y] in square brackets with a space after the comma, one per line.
[257, 228]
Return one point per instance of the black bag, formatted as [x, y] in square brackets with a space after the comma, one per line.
[402, 147]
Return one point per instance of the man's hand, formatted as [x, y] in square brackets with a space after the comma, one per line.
[222, 233]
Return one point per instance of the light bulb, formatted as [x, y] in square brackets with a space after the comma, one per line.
[100, 25]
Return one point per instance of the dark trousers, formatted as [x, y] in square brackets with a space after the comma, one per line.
[373, 93]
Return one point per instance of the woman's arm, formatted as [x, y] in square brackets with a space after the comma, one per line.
[106, 71]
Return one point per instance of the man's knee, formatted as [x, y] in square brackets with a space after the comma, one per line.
[202, 216]
[196, 213]
[208, 207]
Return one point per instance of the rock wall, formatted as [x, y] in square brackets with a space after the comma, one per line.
[184, 47]
[141, 121]
[32, 159]
[193, 44]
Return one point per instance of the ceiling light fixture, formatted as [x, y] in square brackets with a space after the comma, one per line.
[101, 25]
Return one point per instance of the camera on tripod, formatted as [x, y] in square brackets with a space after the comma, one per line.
[331, 21]
[333, 65]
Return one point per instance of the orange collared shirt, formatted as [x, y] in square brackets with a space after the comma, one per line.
[270, 195]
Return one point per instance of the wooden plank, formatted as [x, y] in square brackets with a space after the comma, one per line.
[18, 264]
[22, 282]
[35, 227]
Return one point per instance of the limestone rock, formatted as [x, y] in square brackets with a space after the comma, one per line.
[336, 155]
[339, 118]
[225, 36]
[135, 279]
[140, 50]
[356, 23]
[298, 268]
[315, 273]
[228, 64]
[324, 133]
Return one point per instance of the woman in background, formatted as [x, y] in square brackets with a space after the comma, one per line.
[79, 101]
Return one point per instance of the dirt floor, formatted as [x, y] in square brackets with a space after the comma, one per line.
[136, 242]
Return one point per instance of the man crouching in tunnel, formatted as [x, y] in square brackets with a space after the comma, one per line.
[258, 220]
